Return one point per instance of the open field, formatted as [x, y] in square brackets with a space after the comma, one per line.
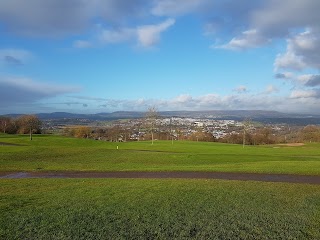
[49, 153]
[157, 209]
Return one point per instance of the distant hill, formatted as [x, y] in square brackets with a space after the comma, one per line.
[254, 115]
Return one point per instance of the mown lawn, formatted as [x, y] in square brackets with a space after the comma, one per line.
[157, 209]
[47, 153]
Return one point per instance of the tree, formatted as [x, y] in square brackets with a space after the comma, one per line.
[4, 124]
[246, 126]
[151, 117]
[29, 123]
[82, 132]
[311, 133]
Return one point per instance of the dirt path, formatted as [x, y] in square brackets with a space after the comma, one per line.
[289, 178]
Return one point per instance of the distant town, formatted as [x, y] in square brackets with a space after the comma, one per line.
[236, 127]
[258, 128]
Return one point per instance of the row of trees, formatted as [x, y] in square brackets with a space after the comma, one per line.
[258, 136]
[266, 135]
[25, 124]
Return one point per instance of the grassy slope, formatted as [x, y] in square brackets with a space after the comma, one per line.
[157, 209]
[60, 153]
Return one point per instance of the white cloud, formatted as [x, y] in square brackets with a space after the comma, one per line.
[149, 35]
[117, 36]
[303, 52]
[309, 80]
[268, 20]
[289, 60]
[248, 39]
[271, 89]
[182, 98]
[299, 101]
[315, 93]
[145, 35]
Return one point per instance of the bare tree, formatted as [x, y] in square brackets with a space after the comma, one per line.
[151, 117]
[4, 123]
[246, 125]
[29, 123]
[310, 133]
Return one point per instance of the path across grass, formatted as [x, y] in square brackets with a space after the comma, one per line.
[288, 178]
[62, 207]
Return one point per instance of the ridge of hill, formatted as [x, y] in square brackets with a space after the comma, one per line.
[239, 115]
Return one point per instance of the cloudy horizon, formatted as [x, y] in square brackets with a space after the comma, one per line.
[85, 56]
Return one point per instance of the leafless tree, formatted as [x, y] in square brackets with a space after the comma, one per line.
[151, 118]
[29, 123]
[4, 123]
[246, 125]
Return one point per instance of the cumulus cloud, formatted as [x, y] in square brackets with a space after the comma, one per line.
[303, 51]
[145, 35]
[248, 39]
[299, 101]
[309, 80]
[289, 60]
[265, 21]
[17, 90]
[117, 36]
[286, 19]
[149, 35]
[315, 93]
[303, 80]
[271, 89]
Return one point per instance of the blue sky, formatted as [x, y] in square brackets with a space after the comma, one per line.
[90, 56]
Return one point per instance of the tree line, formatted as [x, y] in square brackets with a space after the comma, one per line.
[257, 136]
[150, 130]
[266, 135]
[25, 124]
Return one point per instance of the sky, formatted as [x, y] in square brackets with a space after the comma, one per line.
[92, 56]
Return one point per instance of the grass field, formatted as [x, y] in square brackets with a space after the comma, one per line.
[156, 208]
[47, 153]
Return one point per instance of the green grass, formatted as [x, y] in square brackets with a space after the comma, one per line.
[49, 153]
[157, 209]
